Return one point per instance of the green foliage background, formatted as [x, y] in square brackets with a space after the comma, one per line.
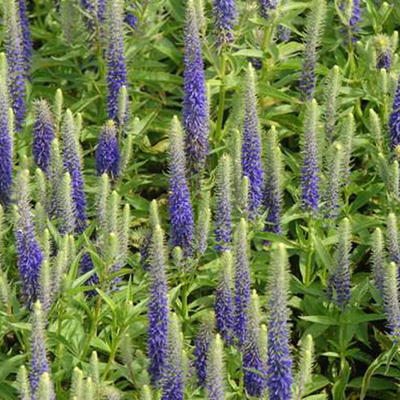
[353, 353]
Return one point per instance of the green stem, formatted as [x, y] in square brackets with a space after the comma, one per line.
[267, 37]
[111, 358]
[185, 309]
[93, 328]
[221, 104]
[60, 347]
[265, 46]
[343, 347]
[308, 272]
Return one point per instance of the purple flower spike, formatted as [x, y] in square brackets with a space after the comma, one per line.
[253, 365]
[392, 239]
[279, 366]
[339, 284]
[265, 7]
[391, 301]
[39, 362]
[107, 153]
[251, 146]
[384, 60]
[334, 181]
[383, 47]
[195, 107]
[180, 206]
[225, 15]
[158, 308]
[351, 16]
[378, 260]
[394, 121]
[242, 282]
[224, 305]
[172, 382]
[202, 345]
[26, 33]
[310, 171]
[273, 190]
[43, 134]
[86, 265]
[355, 17]
[315, 21]
[5, 137]
[223, 217]
[101, 10]
[16, 62]
[28, 250]
[73, 164]
[115, 56]
[215, 381]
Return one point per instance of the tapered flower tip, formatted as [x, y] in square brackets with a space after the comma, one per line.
[308, 343]
[313, 104]
[94, 367]
[346, 226]
[391, 271]
[264, 339]
[381, 156]
[345, 234]
[112, 246]
[304, 374]
[217, 347]
[215, 370]
[158, 236]
[175, 124]
[154, 216]
[391, 219]
[58, 103]
[396, 151]
[255, 305]
[250, 78]
[177, 256]
[90, 388]
[241, 232]
[146, 393]
[382, 41]
[37, 309]
[110, 124]
[337, 147]
[280, 260]
[122, 104]
[3, 66]
[11, 118]
[107, 154]
[22, 184]
[45, 390]
[307, 350]
[226, 260]
[311, 116]
[391, 300]
[23, 384]
[226, 263]
[77, 383]
[69, 118]
[78, 122]
[175, 339]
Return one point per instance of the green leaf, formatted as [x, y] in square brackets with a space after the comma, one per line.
[339, 387]
[320, 319]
